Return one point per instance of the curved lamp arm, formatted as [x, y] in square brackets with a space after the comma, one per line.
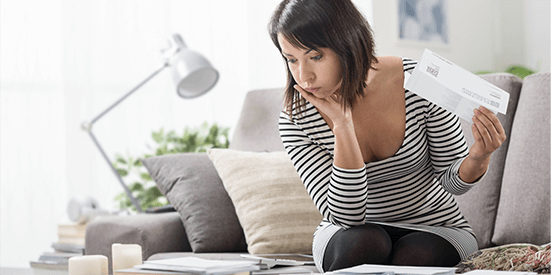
[87, 126]
[193, 76]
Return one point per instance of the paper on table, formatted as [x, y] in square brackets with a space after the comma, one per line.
[281, 259]
[454, 88]
[200, 266]
[391, 270]
[495, 272]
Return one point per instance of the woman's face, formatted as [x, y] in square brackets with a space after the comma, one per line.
[316, 71]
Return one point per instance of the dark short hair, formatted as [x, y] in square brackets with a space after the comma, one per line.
[333, 24]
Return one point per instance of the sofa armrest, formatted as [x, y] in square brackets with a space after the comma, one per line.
[153, 232]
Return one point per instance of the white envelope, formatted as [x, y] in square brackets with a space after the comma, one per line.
[454, 88]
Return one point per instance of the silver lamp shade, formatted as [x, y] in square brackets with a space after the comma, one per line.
[192, 73]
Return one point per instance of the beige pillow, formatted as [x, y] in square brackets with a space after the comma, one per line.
[271, 203]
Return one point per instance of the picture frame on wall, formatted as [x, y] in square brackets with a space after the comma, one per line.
[423, 23]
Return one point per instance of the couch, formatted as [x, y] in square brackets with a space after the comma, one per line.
[511, 205]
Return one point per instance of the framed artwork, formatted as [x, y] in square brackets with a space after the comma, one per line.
[423, 22]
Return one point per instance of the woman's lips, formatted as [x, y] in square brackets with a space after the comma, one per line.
[312, 90]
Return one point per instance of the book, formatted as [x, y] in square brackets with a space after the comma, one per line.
[78, 240]
[49, 272]
[57, 257]
[200, 266]
[138, 271]
[396, 270]
[272, 260]
[61, 255]
[53, 259]
[51, 265]
[67, 247]
[72, 229]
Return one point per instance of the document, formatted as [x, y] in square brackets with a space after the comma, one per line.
[281, 259]
[494, 272]
[454, 88]
[394, 270]
[200, 266]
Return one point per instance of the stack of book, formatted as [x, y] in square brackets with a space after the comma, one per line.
[70, 243]
[71, 233]
[57, 260]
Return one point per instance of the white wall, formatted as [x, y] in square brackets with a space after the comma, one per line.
[538, 35]
[62, 62]
[485, 35]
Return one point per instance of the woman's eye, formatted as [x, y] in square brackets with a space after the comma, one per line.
[291, 60]
[318, 57]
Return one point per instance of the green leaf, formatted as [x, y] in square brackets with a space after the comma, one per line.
[191, 140]
[122, 172]
[520, 71]
[120, 159]
[136, 186]
[153, 192]
[146, 176]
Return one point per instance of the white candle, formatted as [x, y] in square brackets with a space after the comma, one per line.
[125, 255]
[88, 265]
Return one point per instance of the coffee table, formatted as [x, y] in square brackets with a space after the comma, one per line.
[15, 271]
[28, 271]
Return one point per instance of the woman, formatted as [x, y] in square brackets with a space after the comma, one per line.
[380, 163]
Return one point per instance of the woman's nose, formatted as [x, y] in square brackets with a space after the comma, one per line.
[306, 74]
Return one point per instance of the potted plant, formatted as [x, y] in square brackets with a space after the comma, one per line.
[130, 168]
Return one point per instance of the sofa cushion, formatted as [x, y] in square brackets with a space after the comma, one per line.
[257, 128]
[192, 186]
[526, 190]
[479, 205]
[273, 207]
[155, 233]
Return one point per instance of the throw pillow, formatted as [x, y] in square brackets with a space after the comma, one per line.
[511, 257]
[479, 205]
[273, 207]
[526, 187]
[192, 186]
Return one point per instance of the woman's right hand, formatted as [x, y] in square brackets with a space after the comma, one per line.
[330, 106]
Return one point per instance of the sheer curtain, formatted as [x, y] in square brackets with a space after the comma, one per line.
[62, 62]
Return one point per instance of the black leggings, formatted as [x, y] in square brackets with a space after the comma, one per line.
[379, 244]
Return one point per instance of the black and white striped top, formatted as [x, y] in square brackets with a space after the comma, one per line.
[413, 188]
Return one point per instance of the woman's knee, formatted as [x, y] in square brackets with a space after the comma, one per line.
[365, 244]
[425, 249]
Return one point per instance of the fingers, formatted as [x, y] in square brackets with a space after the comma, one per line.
[488, 129]
[303, 92]
[307, 95]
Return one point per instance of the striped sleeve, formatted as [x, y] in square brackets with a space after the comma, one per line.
[339, 194]
[447, 145]
[448, 149]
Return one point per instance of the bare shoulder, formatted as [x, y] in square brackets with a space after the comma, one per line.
[389, 70]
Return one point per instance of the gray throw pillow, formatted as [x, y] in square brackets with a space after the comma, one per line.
[526, 189]
[194, 189]
[479, 205]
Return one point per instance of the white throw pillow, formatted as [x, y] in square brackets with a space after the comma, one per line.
[271, 203]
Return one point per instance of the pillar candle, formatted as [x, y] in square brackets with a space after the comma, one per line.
[125, 255]
[88, 265]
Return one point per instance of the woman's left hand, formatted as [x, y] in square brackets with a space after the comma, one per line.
[488, 134]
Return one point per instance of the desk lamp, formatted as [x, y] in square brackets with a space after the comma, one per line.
[193, 76]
